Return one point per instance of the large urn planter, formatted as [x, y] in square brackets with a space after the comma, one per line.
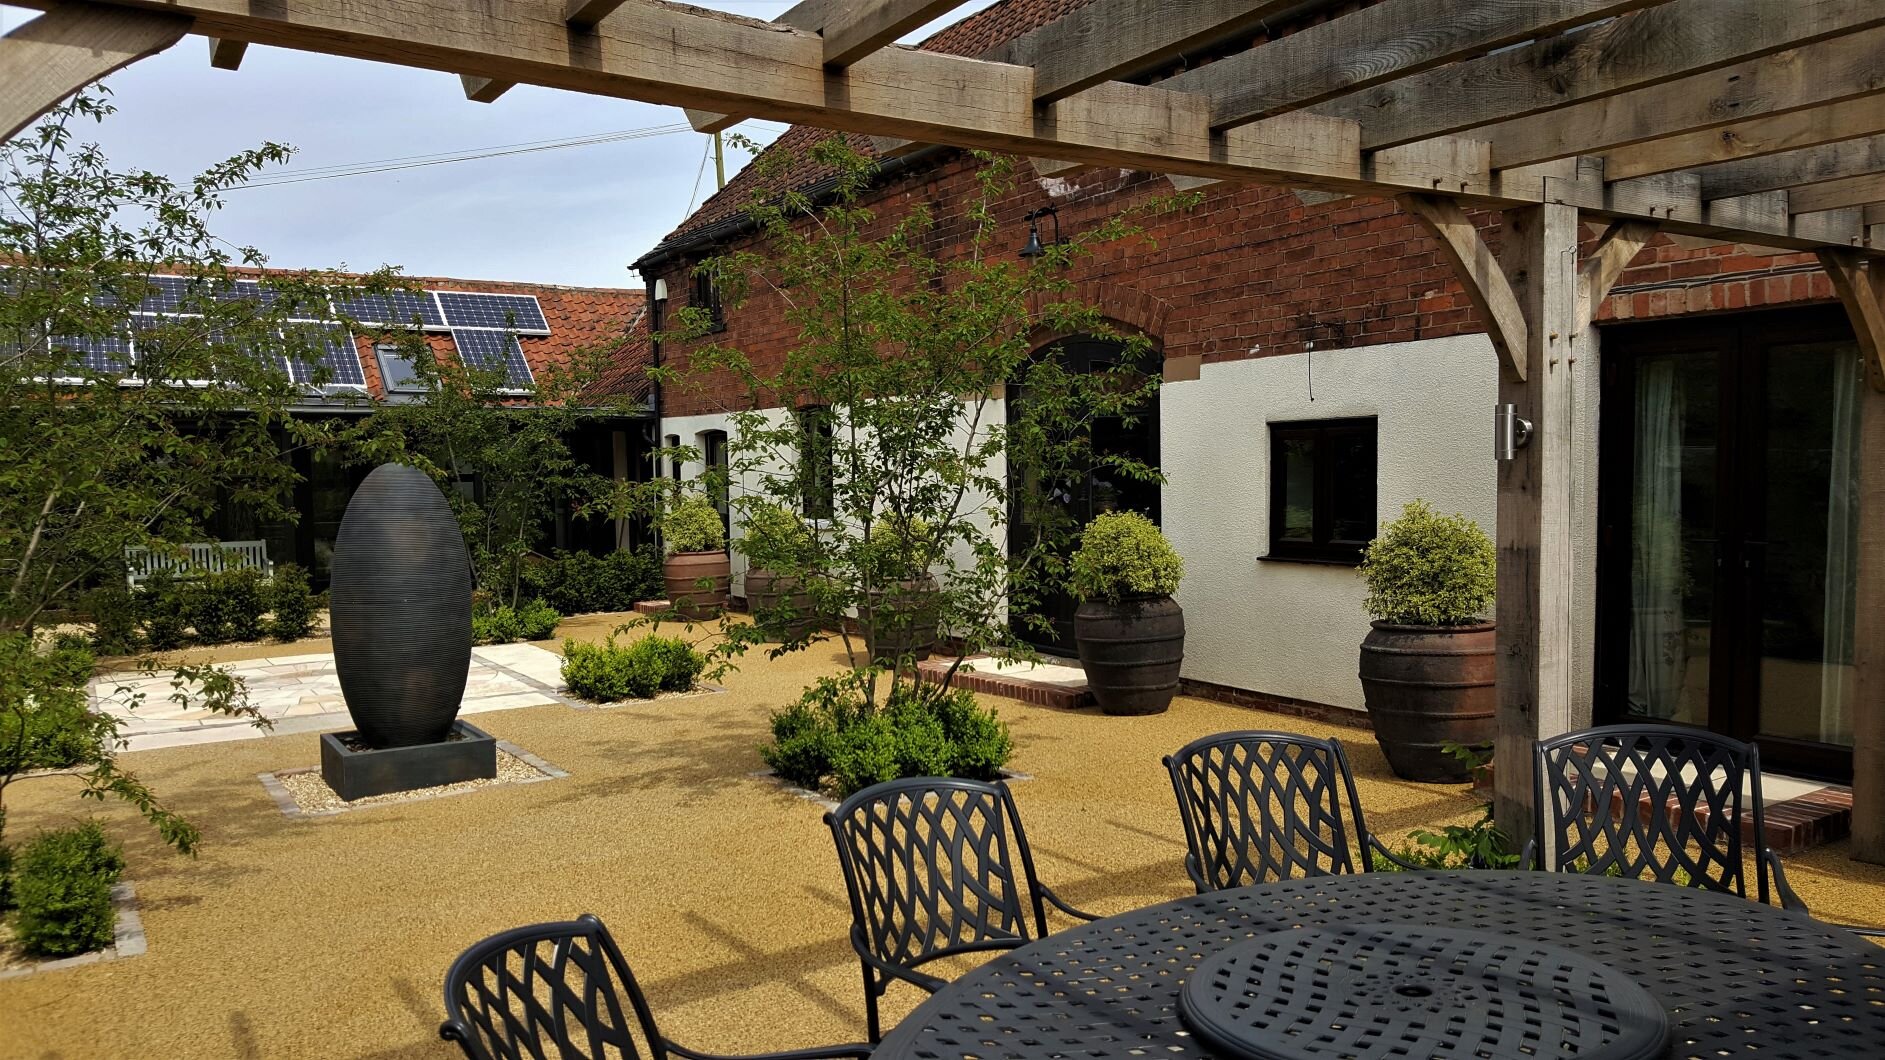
[697, 583]
[1428, 687]
[1131, 651]
[904, 620]
[768, 592]
[400, 612]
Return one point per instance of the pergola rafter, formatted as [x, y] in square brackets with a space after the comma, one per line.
[1732, 120]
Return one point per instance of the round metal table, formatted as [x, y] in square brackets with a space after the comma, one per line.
[1736, 978]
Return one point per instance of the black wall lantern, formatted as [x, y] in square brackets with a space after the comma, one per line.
[1035, 249]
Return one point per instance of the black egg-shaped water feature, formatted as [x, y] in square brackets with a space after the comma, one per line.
[400, 609]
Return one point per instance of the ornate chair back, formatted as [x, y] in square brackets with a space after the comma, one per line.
[557, 990]
[1649, 801]
[1264, 806]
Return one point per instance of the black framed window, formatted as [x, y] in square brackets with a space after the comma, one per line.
[707, 296]
[816, 453]
[1322, 489]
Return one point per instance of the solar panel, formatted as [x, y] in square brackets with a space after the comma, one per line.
[493, 349]
[104, 355]
[340, 358]
[165, 294]
[392, 309]
[510, 312]
[246, 291]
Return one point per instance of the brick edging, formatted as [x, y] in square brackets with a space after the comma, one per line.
[1327, 713]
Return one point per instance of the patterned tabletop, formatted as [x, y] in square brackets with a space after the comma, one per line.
[1736, 978]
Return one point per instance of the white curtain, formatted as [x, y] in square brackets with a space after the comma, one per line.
[1842, 550]
[1658, 647]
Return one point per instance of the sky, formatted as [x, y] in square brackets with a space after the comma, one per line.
[576, 215]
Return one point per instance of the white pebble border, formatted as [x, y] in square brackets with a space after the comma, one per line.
[663, 697]
[515, 766]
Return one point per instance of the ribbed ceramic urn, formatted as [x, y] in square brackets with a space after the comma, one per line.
[1132, 652]
[400, 609]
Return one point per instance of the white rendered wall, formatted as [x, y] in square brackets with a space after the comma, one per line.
[1294, 629]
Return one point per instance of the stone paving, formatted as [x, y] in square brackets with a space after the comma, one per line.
[301, 693]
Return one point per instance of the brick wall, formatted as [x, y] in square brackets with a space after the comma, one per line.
[1252, 271]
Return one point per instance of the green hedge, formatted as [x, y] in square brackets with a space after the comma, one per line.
[533, 620]
[578, 583]
[829, 740]
[609, 672]
[166, 612]
[62, 884]
[291, 603]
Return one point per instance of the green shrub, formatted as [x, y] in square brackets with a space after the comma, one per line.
[609, 672]
[290, 603]
[1428, 569]
[828, 739]
[160, 609]
[49, 724]
[533, 620]
[1123, 554]
[693, 524]
[114, 619]
[899, 549]
[580, 583]
[62, 885]
[776, 538]
[225, 606]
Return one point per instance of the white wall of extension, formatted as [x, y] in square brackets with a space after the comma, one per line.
[1293, 629]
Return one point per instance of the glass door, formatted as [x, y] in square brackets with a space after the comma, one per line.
[1729, 531]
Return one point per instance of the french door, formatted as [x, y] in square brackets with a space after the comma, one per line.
[1728, 519]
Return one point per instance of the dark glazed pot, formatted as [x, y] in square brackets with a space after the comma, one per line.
[766, 591]
[904, 621]
[1131, 652]
[683, 572]
[400, 608]
[1427, 687]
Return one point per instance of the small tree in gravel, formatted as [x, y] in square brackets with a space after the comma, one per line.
[892, 442]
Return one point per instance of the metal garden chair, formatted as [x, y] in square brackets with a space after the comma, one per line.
[1265, 806]
[563, 991]
[933, 871]
[1660, 802]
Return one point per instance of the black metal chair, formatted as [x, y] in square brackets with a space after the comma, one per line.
[563, 991]
[1264, 806]
[932, 873]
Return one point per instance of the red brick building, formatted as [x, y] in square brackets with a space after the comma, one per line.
[1716, 516]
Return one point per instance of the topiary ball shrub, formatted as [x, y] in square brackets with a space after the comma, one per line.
[1121, 555]
[62, 885]
[610, 672]
[830, 740]
[1428, 569]
[290, 603]
[693, 524]
[775, 538]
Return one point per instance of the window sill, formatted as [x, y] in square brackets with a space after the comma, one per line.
[1314, 561]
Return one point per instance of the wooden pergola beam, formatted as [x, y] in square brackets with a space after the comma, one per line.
[1839, 70]
[1812, 127]
[72, 44]
[1808, 165]
[1377, 44]
[1115, 40]
[227, 54]
[580, 15]
[1637, 50]
[1861, 190]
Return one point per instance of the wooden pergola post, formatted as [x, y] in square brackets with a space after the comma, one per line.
[1861, 287]
[1534, 615]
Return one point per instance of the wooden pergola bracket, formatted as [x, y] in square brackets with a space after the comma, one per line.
[1619, 243]
[70, 46]
[484, 89]
[1479, 272]
[227, 54]
[1861, 287]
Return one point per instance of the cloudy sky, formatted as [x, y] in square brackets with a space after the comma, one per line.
[575, 215]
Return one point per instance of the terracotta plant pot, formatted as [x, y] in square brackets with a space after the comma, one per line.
[766, 591]
[1132, 652]
[684, 572]
[904, 620]
[1427, 687]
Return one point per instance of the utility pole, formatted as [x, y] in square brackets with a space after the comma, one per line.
[719, 162]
